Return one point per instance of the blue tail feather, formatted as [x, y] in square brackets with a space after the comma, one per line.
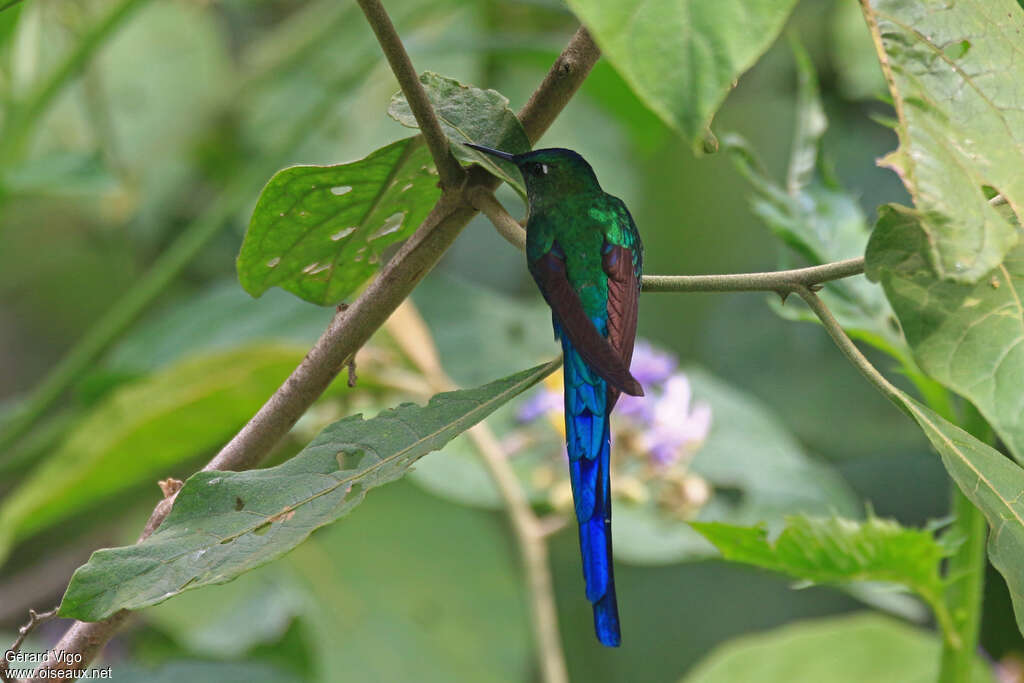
[588, 442]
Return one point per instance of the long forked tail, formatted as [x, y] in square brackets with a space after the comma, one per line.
[588, 442]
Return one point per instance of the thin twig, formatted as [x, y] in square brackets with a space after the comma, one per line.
[34, 619]
[449, 171]
[782, 281]
[349, 331]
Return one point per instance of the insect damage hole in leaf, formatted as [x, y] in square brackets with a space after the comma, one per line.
[312, 227]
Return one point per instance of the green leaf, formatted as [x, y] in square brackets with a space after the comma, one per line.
[759, 473]
[225, 523]
[469, 114]
[142, 430]
[319, 231]
[954, 86]
[681, 58]
[991, 481]
[847, 649]
[966, 336]
[837, 550]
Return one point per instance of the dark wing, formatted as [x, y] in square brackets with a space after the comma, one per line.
[599, 354]
[623, 300]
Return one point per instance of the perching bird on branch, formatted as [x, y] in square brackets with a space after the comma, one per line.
[584, 253]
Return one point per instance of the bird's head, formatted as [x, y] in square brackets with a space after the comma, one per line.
[551, 173]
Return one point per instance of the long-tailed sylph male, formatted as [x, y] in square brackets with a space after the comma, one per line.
[584, 253]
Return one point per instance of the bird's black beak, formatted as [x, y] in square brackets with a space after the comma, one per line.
[493, 152]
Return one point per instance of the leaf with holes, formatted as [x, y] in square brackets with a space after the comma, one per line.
[319, 231]
[682, 58]
[969, 337]
[469, 114]
[225, 523]
[954, 71]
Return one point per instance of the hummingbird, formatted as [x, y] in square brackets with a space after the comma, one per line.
[584, 252]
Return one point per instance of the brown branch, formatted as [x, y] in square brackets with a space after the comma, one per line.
[351, 328]
[449, 171]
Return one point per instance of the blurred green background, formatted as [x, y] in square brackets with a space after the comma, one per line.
[185, 112]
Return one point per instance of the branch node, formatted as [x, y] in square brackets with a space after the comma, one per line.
[170, 486]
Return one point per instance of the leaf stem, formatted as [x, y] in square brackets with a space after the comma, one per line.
[965, 571]
[966, 575]
[450, 171]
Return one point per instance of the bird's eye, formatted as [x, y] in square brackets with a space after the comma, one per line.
[537, 169]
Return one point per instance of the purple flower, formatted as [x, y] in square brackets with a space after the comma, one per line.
[676, 429]
[638, 408]
[651, 366]
[541, 403]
